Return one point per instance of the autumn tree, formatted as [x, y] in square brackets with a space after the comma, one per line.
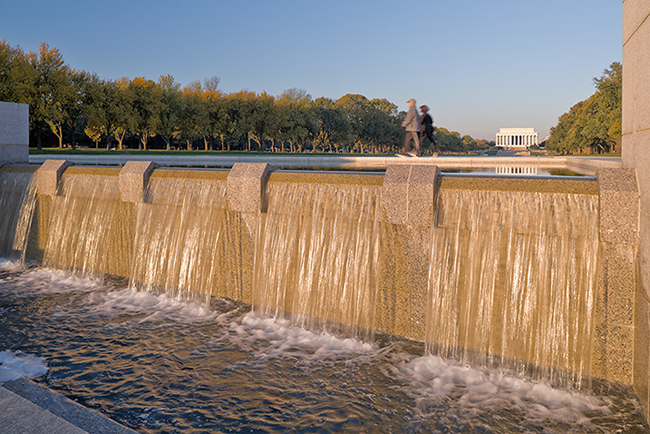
[593, 124]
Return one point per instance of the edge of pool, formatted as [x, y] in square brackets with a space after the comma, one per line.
[28, 407]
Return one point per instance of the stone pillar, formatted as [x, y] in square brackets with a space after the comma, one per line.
[245, 192]
[615, 298]
[408, 193]
[133, 180]
[49, 176]
[246, 185]
[14, 133]
[636, 155]
[408, 196]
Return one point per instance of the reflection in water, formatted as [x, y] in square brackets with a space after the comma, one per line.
[516, 170]
[160, 365]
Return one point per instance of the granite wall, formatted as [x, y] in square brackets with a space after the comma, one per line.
[636, 155]
[408, 196]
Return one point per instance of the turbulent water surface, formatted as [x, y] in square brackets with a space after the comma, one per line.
[160, 365]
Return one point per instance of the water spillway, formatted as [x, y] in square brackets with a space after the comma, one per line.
[490, 271]
[318, 249]
[513, 279]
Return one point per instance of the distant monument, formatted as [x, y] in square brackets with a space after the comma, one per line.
[517, 137]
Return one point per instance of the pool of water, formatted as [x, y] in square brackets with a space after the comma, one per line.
[159, 365]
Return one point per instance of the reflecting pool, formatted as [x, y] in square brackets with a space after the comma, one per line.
[161, 365]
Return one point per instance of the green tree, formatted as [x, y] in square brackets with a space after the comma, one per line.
[170, 105]
[51, 86]
[593, 124]
[17, 75]
[144, 105]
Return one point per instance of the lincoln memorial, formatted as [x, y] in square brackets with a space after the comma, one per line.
[517, 137]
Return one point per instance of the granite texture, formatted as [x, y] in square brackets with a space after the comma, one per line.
[246, 185]
[14, 154]
[133, 180]
[642, 350]
[636, 155]
[49, 176]
[619, 206]
[408, 194]
[14, 124]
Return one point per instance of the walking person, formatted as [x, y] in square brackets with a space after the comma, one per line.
[412, 126]
[426, 130]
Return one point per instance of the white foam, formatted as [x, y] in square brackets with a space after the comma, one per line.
[154, 307]
[432, 377]
[277, 338]
[14, 365]
[46, 281]
[10, 265]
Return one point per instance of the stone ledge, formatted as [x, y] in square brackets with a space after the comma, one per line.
[49, 175]
[245, 186]
[408, 193]
[133, 180]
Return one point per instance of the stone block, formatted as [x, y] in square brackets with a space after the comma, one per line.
[393, 313]
[618, 269]
[14, 154]
[133, 180]
[405, 260]
[49, 176]
[14, 124]
[635, 13]
[619, 205]
[419, 316]
[246, 186]
[619, 353]
[642, 88]
[408, 194]
[642, 350]
[643, 256]
[629, 88]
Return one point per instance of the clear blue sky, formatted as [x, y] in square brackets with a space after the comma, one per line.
[480, 65]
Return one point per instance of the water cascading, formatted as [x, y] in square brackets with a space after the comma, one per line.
[180, 228]
[17, 200]
[512, 281]
[317, 254]
[82, 221]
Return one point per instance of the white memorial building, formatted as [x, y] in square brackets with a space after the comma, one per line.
[517, 137]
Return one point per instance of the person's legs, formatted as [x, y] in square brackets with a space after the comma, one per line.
[416, 141]
[407, 142]
[433, 142]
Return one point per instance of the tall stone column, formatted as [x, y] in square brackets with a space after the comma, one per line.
[636, 155]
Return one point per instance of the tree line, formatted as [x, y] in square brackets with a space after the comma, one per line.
[594, 125]
[70, 107]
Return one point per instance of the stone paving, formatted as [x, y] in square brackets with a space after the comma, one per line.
[29, 408]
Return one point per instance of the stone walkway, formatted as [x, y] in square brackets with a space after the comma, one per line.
[28, 408]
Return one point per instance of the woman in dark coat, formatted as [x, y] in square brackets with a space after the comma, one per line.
[426, 120]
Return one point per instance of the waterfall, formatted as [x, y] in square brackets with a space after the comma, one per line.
[81, 223]
[317, 256]
[512, 281]
[17, 200]
[179, 229]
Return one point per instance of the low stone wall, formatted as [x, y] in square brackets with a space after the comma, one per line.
[408, 195]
